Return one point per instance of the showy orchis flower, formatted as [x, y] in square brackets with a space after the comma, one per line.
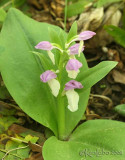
[72, 95]
[49, 77]
[86, 35]
[72, 68]
[75, 49]
[82, 37]
[44, 45]
[73, 85]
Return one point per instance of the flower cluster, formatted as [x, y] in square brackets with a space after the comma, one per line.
[72, 67]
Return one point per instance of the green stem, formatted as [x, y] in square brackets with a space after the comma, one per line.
[61, 117]
[61, 107]
[65, 17]
[13, 3]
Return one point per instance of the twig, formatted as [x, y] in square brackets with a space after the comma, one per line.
[103, 97]
[14, 150]
[94, 59]
[2, 150]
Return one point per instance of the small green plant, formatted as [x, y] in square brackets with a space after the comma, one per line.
[52, 86]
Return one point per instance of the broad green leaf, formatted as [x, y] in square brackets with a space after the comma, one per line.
[2, 15]
[72, 32]
[101, 3]
[120, 109]
[21, 70]
[117, 33]
[95, 74]
[94, 139]
[76, 8]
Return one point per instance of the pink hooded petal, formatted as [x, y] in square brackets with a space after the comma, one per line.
[73, 64]
[47, 75]
[86, 35]
[73, 85]
[75, 49]
[44, 45]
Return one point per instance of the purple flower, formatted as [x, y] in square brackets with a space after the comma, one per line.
[86, 35]
[73, 85]
[47, 75]
[75, 49]
[73, 64]
[44, 45]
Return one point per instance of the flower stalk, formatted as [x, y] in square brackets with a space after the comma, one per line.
[68, 62]
[61, 117]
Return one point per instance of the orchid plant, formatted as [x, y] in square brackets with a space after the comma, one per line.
[67, 62]
[46, 73]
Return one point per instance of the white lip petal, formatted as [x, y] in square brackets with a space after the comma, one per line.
[51, 56]
[55, 86]
[73, 100]
[72, 74]
[80, 47]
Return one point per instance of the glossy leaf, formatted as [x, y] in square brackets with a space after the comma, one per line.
[95, 139]
[95, 74]
[120, 109]
[117, 33]
[76, 8]
[101, 3]
[21, 69]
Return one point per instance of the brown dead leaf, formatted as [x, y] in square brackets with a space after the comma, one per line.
[119, 76]
[113, 55]
[92, 116]
[37, 156]
[91, 20]
[17, 129]
[94, 20]
[35, 147]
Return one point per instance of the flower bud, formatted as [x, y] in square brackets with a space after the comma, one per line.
[44, 45]
[73, 85]
[49, 77]
[86, 35]
[75, 49]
